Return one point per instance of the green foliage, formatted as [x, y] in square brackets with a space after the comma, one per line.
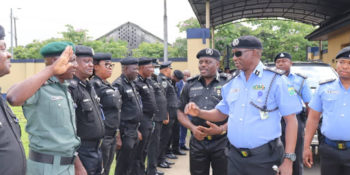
[118, 49]
[179, 49]
[188, 24]
[75, 36]
[151, 50]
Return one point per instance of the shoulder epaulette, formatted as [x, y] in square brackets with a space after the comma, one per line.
[327, 81]
[301, 75]
[118, 81]
[96, 82]
[277, 71]
[73, 83]
[193, 78]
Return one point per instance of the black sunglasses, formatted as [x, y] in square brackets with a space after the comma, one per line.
[239, 53]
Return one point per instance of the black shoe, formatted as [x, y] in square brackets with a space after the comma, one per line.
[184, 148]
[179, 152]
[164, 165]
[171, 156]
[159, 173]
[169, 163]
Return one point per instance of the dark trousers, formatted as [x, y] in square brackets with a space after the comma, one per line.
[141, 148]
[153, 149]
[165, 135]
[91, 157]
[298, 166]
[205, 153]
[108, 149]
[260, 162]
[175, 136]
[183, 133]
[333, 161]
[126, 156]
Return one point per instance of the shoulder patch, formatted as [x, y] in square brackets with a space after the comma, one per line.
[327, 81]
[301, 75]
[277, 71]
[193, 78]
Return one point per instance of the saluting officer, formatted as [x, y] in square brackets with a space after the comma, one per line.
[254, 102]
[208, 141]
[130, 116]
[160, 116]
[146, 91]
[90, 118]
[284, 62]
[12, 157]
[331, 100]
[111, 102]
[165, 80]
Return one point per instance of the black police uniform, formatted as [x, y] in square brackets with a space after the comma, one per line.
[144, 87]
[90, 127]
[172, 106]
[111, 102]
[130, 118]
[211, 150]
[160, 115]
[12, 157]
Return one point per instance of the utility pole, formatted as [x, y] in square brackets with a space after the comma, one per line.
[15, 29]
[165, 33]
[11, 19]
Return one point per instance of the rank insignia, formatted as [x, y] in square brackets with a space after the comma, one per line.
[259, 87]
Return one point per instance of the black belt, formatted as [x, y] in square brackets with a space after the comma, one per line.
[92, 143]
[245, 152]
[214, 137]
[46, 158]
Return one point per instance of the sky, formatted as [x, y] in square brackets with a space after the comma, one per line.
[43, 19]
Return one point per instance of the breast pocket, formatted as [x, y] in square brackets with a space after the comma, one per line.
[87, 108]
[59, 110]
[4, 134]
[109, 99]
[329, 101]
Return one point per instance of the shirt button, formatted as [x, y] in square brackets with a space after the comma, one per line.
[240, 119]
[207, 88]
[246, 89]
[59, 104]
[344, 104]
[243, 105]
[342, 115]
[205, 107]
[206, 97]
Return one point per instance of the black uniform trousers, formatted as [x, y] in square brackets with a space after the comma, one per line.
[126, 155]
[334, 161]
[165, 135]
[146, 128]
[153, 148]
[175, 138]
[108, 149]
[259, 162]
[298, 166]
[206, 153]
[91, 157]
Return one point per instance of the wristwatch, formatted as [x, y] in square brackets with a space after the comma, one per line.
[290, 156]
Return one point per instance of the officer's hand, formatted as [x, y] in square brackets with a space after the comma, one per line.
[139, 135]
[119, 142]
[307, 157]
[197, 133]
[166, 122]
[192, 109]
[78, 167]
[62, 64]
[286, 168]
[212, 130]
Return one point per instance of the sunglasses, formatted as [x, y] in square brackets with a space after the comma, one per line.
[239, 53]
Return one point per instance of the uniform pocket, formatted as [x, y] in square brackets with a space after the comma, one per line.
[87, 108]
[329, 102]
[109, 99]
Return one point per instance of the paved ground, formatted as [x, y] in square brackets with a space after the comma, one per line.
[181, 167]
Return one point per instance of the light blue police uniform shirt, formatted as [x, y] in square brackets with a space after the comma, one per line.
[246, 128]
[333, 100]
[304, 88]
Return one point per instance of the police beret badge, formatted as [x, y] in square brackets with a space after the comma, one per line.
[209, 51]
[235, 42]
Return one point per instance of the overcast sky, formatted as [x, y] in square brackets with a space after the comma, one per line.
[43, 19]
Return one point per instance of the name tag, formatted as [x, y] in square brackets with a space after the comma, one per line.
[55, 98]
[196, 88]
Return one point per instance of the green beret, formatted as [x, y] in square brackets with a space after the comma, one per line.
[55, 48]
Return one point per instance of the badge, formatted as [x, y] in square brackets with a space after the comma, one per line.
[209, 51]
[259, 87]
[264, 115]
[235, 42]
[291, 91]
[282, 55]
[218, 91]
[164, 84]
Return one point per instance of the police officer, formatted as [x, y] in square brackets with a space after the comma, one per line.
[254, 102]
[90, 125]
[111, 102]
[206, 148]
[130, 117]
[12, 157]
[331, 100]
[160, 116]
[48, 108]
[146, 91]
[183, 130]
[165, 80]
[284, 62]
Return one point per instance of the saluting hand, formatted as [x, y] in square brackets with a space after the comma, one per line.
[212, 130]
[307, 157]
[192, 109]
[62, 64]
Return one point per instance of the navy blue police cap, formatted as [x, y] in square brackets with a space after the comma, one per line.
[129, 61]
[2, 33]
[247, 42]
[178, 74]
[83, 51]
[208, 52]
[155, 62]
[165, 65]
[102, 56]
[283, 55]
[344, 53]
[145, 61]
